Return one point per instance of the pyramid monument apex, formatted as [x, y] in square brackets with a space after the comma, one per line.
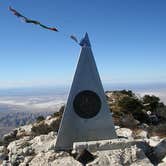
[86, 116]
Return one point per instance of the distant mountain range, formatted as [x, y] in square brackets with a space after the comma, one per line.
[22, 106]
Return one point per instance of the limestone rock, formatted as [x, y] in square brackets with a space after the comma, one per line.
[51, 159]
[48, 117]
[128, 156]
[153, 141]
[164, 159]
[17, 146]
[162, 164]
[43, 142]
[142, 134]
[18, 150]
[26, 161]
[3, 153]
[67, 161]
[125, 133]
[24, 131]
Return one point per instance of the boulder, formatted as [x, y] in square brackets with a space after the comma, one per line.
[18, 150]
[48, 117]
[124, 133]
[16, 147]
[24, 131]
[161, 164]
[129, 156]
[142, 134]
[26, 161]
[164, 159]
[153, 141]
[44, 142]
[3, 153]
[159, 151]
[51, 159]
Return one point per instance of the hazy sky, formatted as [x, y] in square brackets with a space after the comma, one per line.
[128, 39]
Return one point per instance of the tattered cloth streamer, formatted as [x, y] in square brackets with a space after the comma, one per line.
[27, 20]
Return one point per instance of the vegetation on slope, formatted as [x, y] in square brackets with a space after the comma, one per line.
[132, 111]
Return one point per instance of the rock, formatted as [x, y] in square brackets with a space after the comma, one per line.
[142, 134]
[3, 153]
[16, 147]
[164, 159]
[117, 127]
[18, 150]
[24, 131]
[112, 144]
[67, 161]
[28, 150]
[44, 142]
[161, 164]
[159, 151]
[5, 163]
[49, 121]
[48, 117]
[26, 161]
[51, 159]
[129, 156]
[125, 133]
[10, 137]
[153, 141]
[16, 159]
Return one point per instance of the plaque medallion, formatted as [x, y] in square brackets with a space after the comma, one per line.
[87, 104]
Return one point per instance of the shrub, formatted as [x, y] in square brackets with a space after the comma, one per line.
[60, 112]
[152, 101]
[129, 104]
[41, 128]
[128, 93]
[39, 118]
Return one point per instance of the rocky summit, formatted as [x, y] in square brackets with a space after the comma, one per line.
[34, 145]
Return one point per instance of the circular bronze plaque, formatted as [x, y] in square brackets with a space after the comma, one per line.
[87, 104]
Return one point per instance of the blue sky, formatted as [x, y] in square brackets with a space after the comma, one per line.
[128, 39]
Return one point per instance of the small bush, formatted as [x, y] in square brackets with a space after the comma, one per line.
[129, 104]
[1, 143]
[39, 118]
[41, 128]
[60, 112]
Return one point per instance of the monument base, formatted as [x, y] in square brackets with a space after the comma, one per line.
[113, 144]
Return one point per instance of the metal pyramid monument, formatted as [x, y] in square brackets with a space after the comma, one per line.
[86, 116]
